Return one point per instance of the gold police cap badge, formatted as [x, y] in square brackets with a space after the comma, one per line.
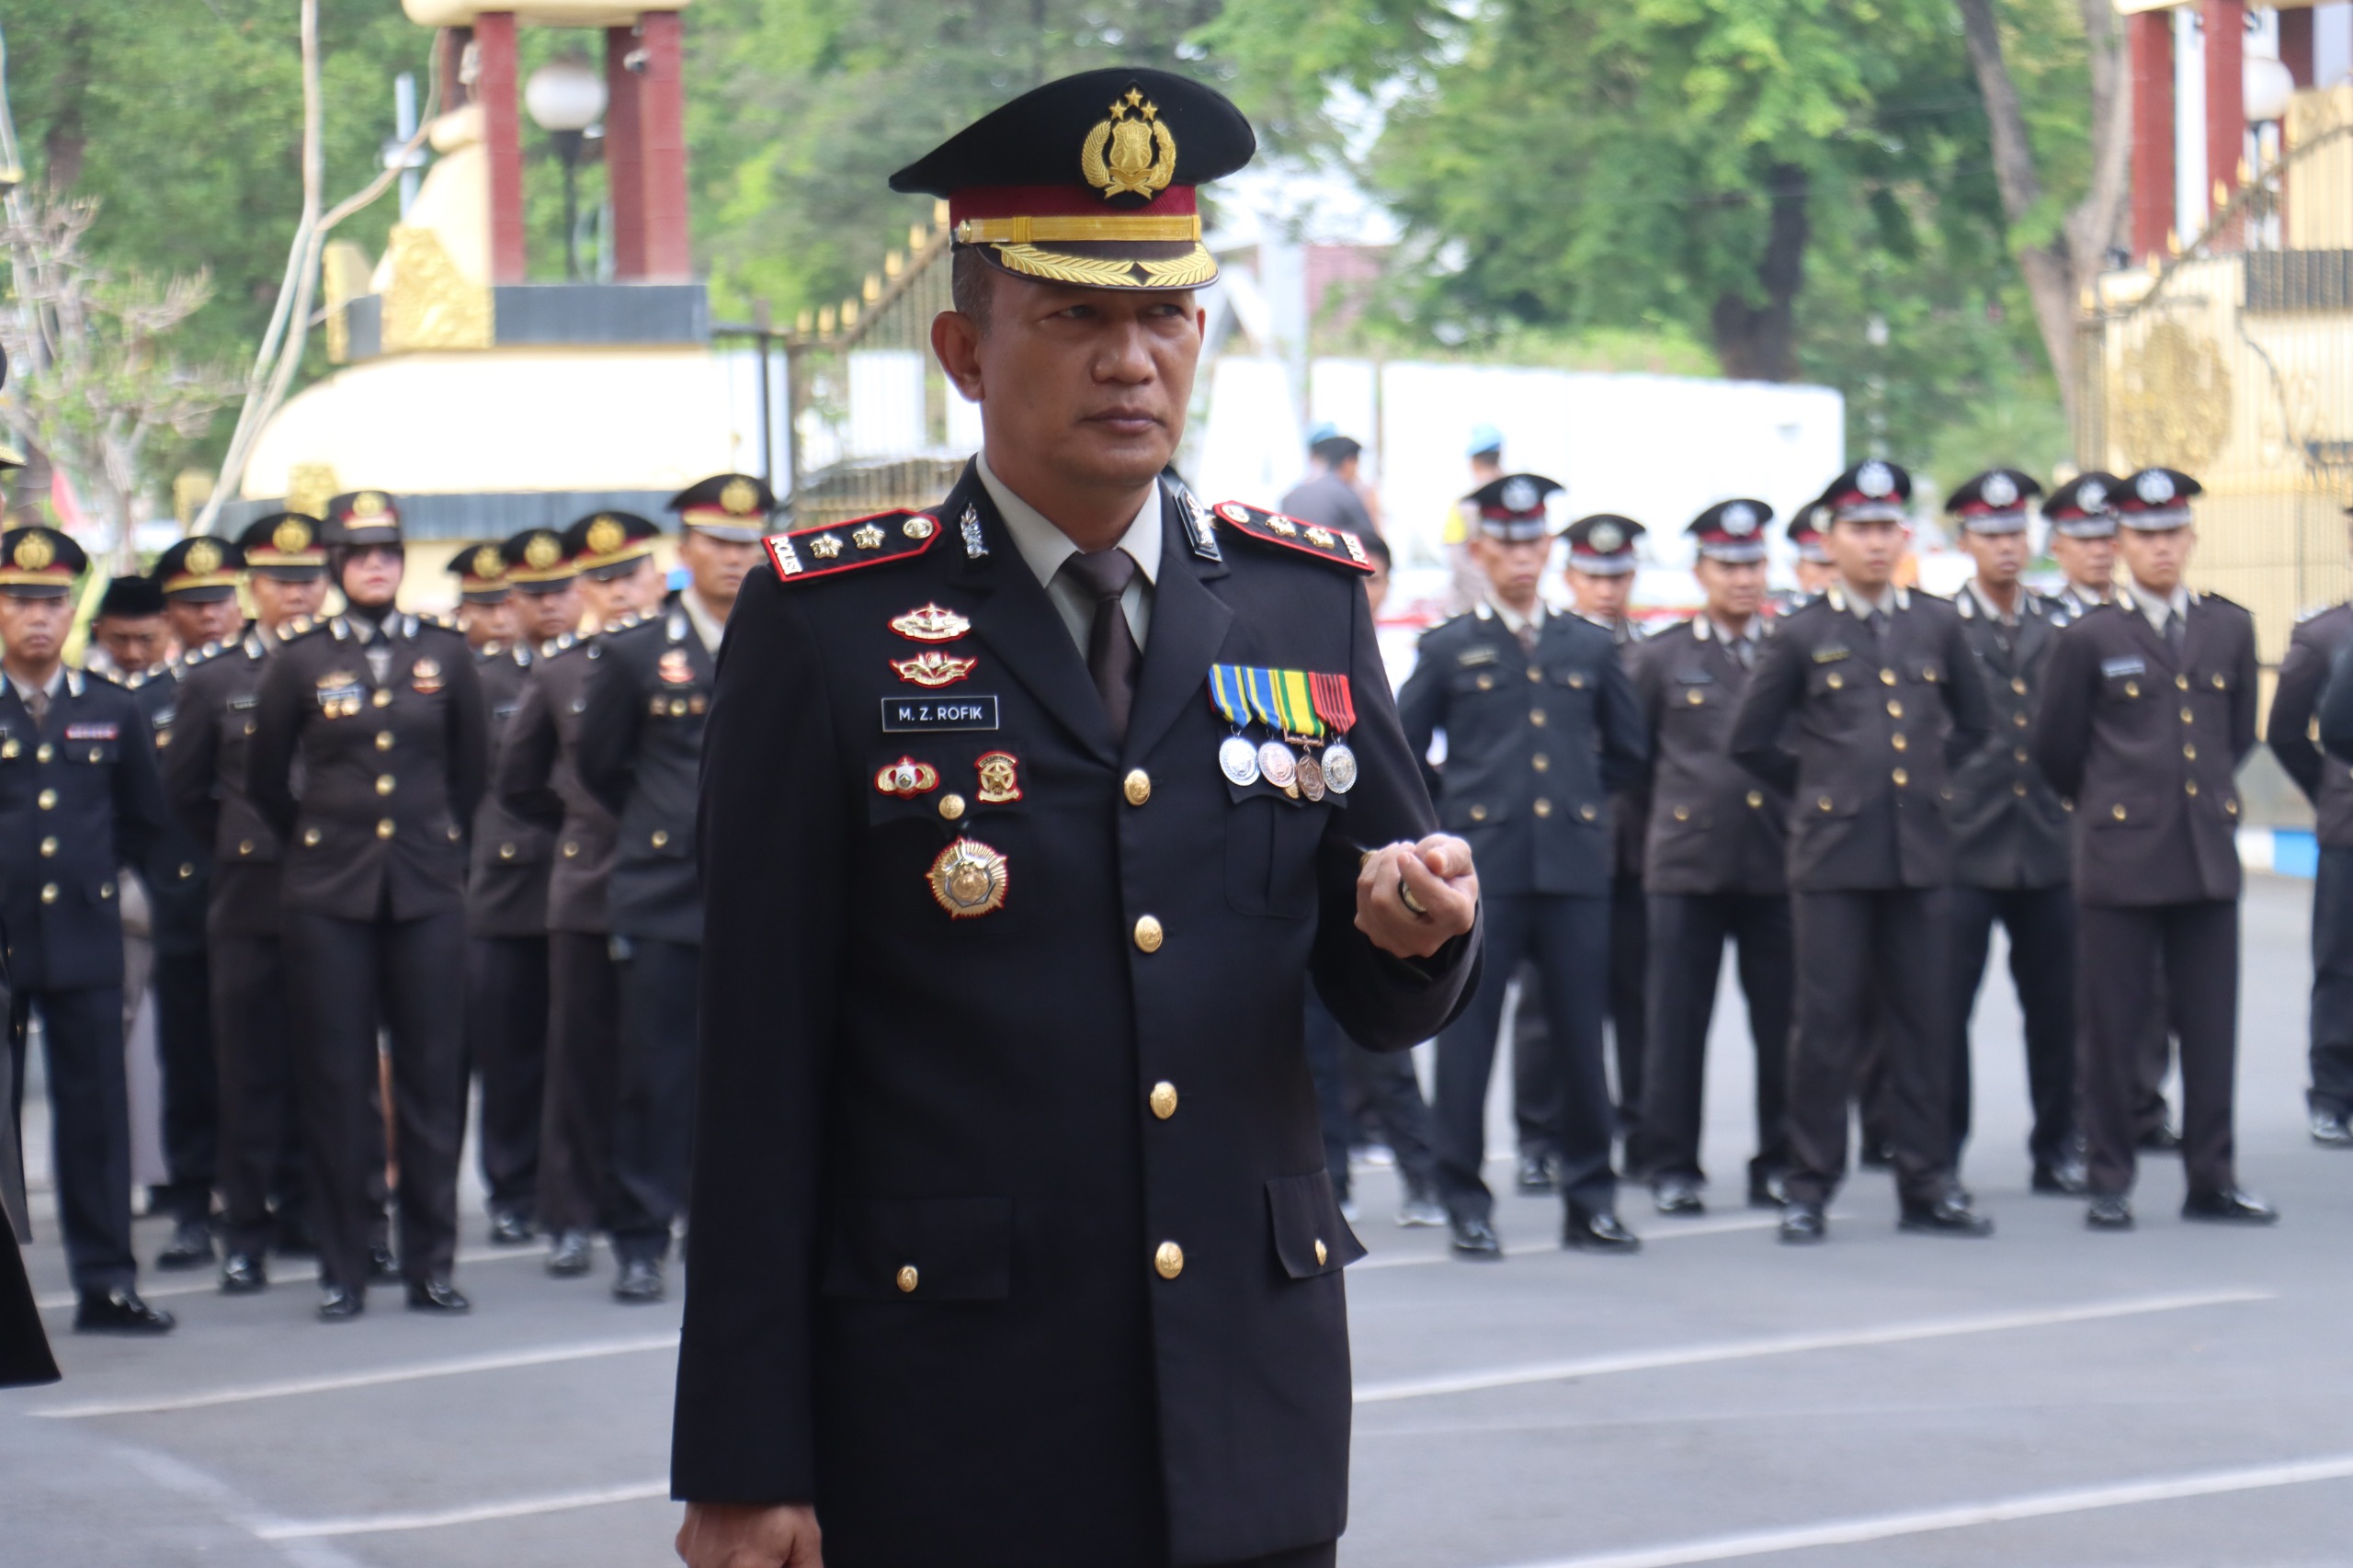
[968, 878]
[605, 536]
[1131, 154]
[34, 552]
[541, 550]
[203, 558]
[367, 503]
[292, 536]
[740, 497]
[487, 563]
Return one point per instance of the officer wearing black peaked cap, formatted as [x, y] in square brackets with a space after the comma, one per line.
[1024, 820]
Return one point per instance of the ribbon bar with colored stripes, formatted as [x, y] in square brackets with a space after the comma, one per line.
[1293, 702]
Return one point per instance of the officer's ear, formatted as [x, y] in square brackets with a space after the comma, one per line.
[956, 343]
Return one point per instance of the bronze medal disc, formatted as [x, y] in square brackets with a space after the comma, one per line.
[1310, 777]
[1275, 763]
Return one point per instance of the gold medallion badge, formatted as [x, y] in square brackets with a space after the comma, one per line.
[932, 667]
[968, 878]
[907, 779]
[425, 676]
[741, 497]
[541, 552]
[1131, 154]
[203, 558]
[930, 623]
[34, 552]
[487, 563]
[292, 536]
[605, 536]
[1000, 777]
[367, 503]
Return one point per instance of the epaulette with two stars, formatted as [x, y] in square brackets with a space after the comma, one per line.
[1338, 546]
[800, 554]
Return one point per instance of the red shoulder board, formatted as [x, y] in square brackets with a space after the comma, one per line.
[1338, 546]
[822, 551]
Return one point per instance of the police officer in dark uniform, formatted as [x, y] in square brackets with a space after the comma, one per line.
[2010, 854]
[80, 799]
[1715, 868]
[2150, 711]
[384, 713]
[641, 755]
[1540, 729]
[198, 581]
[2312, 650]
[1013, 1241]
[262, 1179]
[506, 887]
[1880, 694]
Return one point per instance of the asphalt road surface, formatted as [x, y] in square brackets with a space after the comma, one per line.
[2174, 1397]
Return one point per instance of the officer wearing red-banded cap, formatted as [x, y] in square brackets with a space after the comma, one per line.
[1013, 1241]
[2150, 711]
[1879, 695]
[485, 599]
[2082, 515]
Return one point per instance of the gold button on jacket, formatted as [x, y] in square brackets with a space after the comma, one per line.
[1148, 934]
[1137, 787]
[1164, 1099]
[1169, 1259]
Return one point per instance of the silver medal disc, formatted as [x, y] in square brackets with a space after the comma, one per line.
[1276, 762]
[1238, 760]
[1339, 768]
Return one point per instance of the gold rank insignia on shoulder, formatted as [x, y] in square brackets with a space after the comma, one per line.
[1338, 546]
[968, 879]
[829, 547]
[930, 623]
[932, 667]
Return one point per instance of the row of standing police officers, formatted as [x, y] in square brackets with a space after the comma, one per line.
[1852, 792]
[339, 817]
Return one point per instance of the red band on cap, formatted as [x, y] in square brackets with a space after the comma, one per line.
[1071, 201]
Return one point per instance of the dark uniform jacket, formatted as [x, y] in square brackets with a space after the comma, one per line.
[539, 778]
[641, 757]
[1534, 747]
[205, 770]
[1876, 724]
[946, 1166]
[2147, 746]
[179, 873]
[392, 769]
[506, 887]
[2010, 827]
[2327, 782]
[1714, 827]
[1630, 807]
[80, 799]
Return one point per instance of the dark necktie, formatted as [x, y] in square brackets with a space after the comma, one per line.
[1111, 653]
[1528, 635]
[2176, 632]
[37, 704]
[1879, 624]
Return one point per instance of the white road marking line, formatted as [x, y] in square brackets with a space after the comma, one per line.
[2035, 1505]
[1789, 1344]
[415, 1371]
[1666, 1232]
[210, 1283]
[481, 1513]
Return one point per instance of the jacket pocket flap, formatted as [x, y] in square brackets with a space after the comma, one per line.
[939, 1249]
[1309, 1236]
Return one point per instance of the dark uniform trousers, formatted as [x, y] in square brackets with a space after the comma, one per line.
[1876, 715]
[256, 1067]
[79, 797]
[374, 919]
[641, 755]
[1715, 853]
[2313, 649]
[1538, 740]
[506, 1031]
[2010, 864]
[2147, 741]
[538, 781]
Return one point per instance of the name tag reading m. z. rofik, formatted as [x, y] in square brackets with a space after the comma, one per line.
[903, 714]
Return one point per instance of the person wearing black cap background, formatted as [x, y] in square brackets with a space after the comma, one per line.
[2320, 637]
[1714, 865]
[1540, 728]
[506, 886]
[1330, 497]
[537, 776]
[129, 635]
[2148, 712]
[485, 600]
[968, 1282]
[1879, 694]
[384, 712]
[260, 1162]
[641, 755]
[2009, 828]
[80, 799]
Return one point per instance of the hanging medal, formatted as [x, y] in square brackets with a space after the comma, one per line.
[1275, 759]
[1236, 757]
[1295, 707]
[1335, 705]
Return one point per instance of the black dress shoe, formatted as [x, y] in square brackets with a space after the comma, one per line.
[510, 1228]
[1802, 1225]
[190, 1246]
[2161, 1139]
[119, 1311]
[1678, 1195]
[1475, 1238]
[1766, 1191]
[1947, 1216]
[2330, 1130]
[340, 1303]
[1597, 1230]
[639, 1281]
[384, 1268]
[2110, 1212]
[1535, 1173]
[568, 1254]
[1876, 1157]
[2066, 1176]
[243, 1274]
[2230, 1206]
[437, 1295]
